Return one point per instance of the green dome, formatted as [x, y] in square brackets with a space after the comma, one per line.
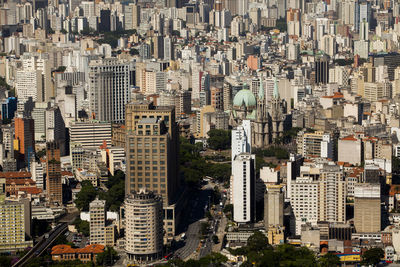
[244, 96]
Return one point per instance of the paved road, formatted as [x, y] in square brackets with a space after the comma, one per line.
[194, 213]
[43, 244]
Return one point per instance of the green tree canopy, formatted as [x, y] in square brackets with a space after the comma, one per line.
[329, 260]
[372, 256]
[219, 139]
[87, 194]
[108, 257]
[257, 242]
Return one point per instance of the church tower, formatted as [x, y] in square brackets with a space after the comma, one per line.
[260, 125]
[278, 110]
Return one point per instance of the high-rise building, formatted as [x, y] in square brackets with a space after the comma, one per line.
[132, 16]
[304, 201]
[332, 198]
[53, 178]
[110, 83]
[97, 211]
[322, 70]
[273, 206]
[241, 139]
[15, 224]
[105, 20]
[152, 156]
[243, 188]
[144, 226]
[55, 127]
[367, 208]
[90, 134]
[318, 144]
[24, 142]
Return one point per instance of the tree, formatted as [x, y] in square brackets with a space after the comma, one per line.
[82, 226]
[204, 228]
[5, 261]
[372, 256]
[219, 139]
[257, 242]
[108, 257]
[87, 194]
[329, 260]
[215, 239]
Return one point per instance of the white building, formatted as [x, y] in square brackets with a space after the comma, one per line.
[241, 139]
[243, 188]
[304, 201]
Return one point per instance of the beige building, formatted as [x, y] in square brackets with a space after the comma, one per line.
[100, 232]
[273, 206]
[144, 226]
[97, 211]
[151, 153]
[332, 195]
[15, 224]
[350, 150]
[317, 144]
[367, 208]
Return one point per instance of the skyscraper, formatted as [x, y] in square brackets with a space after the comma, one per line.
[273, 206]
[24, 139]
[243, 188]
[53, 178]
[367, 208]
[132, 16]
[322, 70]
[97, 211]
[110, 81]
[152, 156]
[144, 226]
[241, 139]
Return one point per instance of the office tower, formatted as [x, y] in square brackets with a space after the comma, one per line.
[332, 198]
[153, 174]
[217, 98]
[304, 201]
[243, 188]
[39, 116]
[322, 70]
[37, 174]
[90, 134]
[53, 177]
[144, 226]
[243, 7]
[15, 225]
[367, 208]
[273, 206]
[97, 211]
[110, 82]
[28, 83]
[55, 128]
[8, 108]
[24, 143]
[317, 144]
[158, 46]
[364, 30]
[132, 16]
[105, 20]
[168, 48]
[241, 139]
[152, 156]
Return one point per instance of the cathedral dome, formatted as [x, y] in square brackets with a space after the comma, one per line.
[244, 96]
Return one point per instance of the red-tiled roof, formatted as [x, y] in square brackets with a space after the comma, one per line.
[30, 190]
[66, 249]
[10, 181]
[349, 138]
[15, 175]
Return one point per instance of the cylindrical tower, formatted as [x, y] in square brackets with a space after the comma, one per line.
[144, 226]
